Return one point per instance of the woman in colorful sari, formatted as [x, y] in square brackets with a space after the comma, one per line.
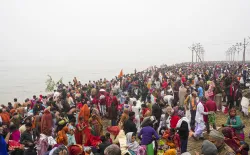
[96, 125]
[62, 136]
[46, 123]
[84, 113]
[133, 146]
[113, 110]
[15, 133]
[172, 139]
[79, 131]
[235, 123]
[233, 141]
[124, 117]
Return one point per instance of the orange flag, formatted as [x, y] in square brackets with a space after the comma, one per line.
[121, 74]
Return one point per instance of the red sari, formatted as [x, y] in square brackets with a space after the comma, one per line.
[46, 123]
[79, 134]
[85, 137]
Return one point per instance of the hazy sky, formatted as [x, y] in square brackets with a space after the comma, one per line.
[111, 31]
[91, 39]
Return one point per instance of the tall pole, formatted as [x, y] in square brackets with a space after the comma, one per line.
[244, 51]
[192, 56]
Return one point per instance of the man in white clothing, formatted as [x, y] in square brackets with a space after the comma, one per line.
[199, 120]
[136, 110]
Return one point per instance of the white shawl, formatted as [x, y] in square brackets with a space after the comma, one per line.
[180, 122]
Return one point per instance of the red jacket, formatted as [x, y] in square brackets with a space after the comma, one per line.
[205, 117]
[211, 106]
[173, 122]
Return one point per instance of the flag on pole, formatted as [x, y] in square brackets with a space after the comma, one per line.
[121, 74]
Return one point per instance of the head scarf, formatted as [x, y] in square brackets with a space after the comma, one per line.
[46, 123]
[75, 149]
[227, 132]
[208, 148]
[171, 152]
[216, 135]
[181, 113]
[62, 136]
[84, 112]
[132, 145]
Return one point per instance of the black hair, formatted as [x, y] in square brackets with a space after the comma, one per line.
[12, 128]
[107, 135]
[28, 124]
[134, 134]
[73, 120]
[143, 106]
[103, 138]
[15, 99]
[134, 103]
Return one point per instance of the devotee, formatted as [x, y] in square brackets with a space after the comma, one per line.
[129, 125]
[183, 128]
[147, 135]
[217, 139]
[234, 121]
[156, 111]
[234, 142]
[96, 125]
[199, 119]
[62, 136]
[3, 142]
[182, 94]
[208, 148]
[101, 147]
[211, 106]
[46, 123]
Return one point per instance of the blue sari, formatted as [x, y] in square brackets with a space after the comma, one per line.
[3, 146]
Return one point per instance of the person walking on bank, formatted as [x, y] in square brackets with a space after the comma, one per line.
[183, 128]
[156, 111]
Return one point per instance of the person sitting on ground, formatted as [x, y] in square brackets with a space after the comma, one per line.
[208, 148]
[234, 142]
[172, 139]
[235, 122]
[133, 146]
[218, 139]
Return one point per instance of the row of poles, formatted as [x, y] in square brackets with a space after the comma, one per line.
[198, 52]
[237, 49]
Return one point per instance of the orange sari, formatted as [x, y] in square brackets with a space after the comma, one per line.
[85, 113]
[62, 137]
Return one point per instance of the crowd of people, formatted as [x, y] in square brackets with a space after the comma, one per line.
[152, 112]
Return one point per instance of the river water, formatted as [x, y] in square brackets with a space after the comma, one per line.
[23, 79]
